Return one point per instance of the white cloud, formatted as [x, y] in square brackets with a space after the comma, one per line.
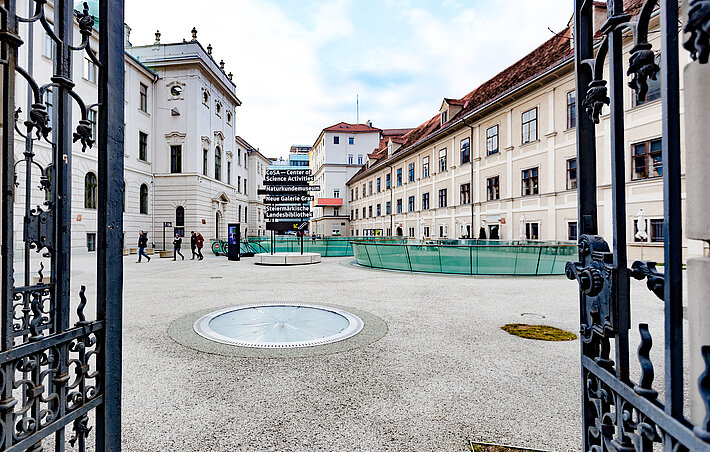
[290, 91]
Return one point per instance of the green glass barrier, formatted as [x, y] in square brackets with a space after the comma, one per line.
[485, 257]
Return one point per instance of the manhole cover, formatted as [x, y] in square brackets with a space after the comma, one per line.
[285, 325]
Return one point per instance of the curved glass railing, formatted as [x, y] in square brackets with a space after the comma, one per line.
[477, 257]
[326, 246]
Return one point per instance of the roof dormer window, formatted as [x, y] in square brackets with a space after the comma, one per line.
[444, 117]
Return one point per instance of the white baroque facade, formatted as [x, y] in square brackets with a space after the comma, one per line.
[183, 163]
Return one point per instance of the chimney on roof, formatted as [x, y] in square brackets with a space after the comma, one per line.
[126, 36]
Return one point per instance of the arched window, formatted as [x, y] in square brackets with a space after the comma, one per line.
[217, 163]
[180, 216]
[90, 191]
[144, 198]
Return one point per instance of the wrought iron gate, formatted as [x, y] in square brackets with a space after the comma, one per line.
[618, 414]
[54, 372]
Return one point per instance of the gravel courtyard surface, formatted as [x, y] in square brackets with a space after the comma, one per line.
[443, 373]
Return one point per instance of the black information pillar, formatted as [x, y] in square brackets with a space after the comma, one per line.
[287, 201]
[234, 235]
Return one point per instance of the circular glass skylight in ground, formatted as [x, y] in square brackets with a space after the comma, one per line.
[275, 325]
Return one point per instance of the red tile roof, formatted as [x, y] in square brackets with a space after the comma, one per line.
[553, 52]
[351, 128]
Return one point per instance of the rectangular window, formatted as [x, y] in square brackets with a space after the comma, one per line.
[572, 174]
[336, 211]
[369, 188]
[442, 160]
[442, 197]
[336, 140]
[465, 151]
[647, 160]
[359, 159]
[143, 146]
[379, 209]
[442, 231]
[388, 208]
[363, 190]
[410, 204]
[49, 47]
[229, 173]
[351, 140]
[143, 98]
[411, 173]
[411, 232]
[91, 241]
[350, 159]
[357, 214]
[352, 215]
[363, 213]
[444, 116]
[425, 167]
[205, 156]
[426, 231]
[532, 231]
[571, 110]
[529, 128]
[399, 205]
[91, 116]
[465, 193]
[245, 186]
[336, 193]
[425, 201]
[399, 177]
[378, 185]
[388, 182]
[369, 211]
[352, 194]
[239, 184]
[49, 103]
[654, 89]
[656, 230]
[492, 140]
[572, 231]
[89, 70]
[493, 188]
[176, 159]
[529, 182]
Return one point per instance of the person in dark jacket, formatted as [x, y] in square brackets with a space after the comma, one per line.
[199, 242]
[177, 244]
[193, 244]
[142, 245]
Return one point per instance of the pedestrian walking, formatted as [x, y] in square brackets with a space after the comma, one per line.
[199, 242]
[177, 244]
[142, 245]
[193, 244]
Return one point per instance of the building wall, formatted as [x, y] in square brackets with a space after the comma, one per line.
[332, 169]
[553, 208]
[257, 170]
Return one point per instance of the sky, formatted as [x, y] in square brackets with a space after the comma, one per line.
[299, 65]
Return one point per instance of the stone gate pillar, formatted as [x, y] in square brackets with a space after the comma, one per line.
[696, 78]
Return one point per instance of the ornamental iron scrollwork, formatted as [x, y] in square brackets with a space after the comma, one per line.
[698, 28]
[618, 413]
[54, 373]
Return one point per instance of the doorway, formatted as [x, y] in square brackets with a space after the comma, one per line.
[494, 231]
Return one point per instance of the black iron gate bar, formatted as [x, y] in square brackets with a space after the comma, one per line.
[52, 373]
[618, 414]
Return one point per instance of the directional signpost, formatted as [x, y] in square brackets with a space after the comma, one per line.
[287, 201]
